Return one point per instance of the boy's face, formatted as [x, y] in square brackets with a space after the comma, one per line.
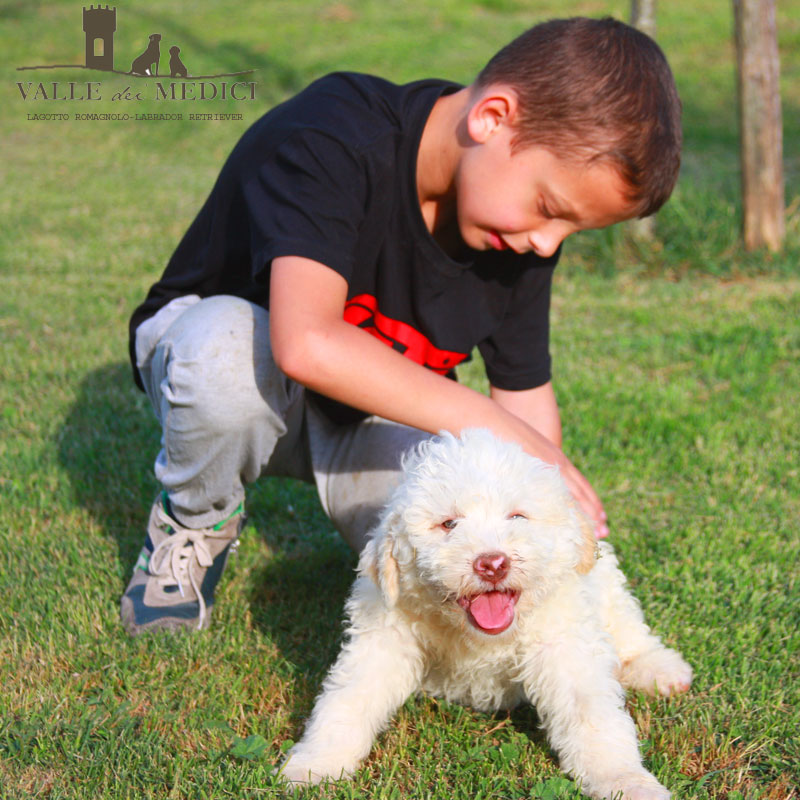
[530, 199]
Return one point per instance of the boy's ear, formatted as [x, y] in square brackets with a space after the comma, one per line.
[494, 107]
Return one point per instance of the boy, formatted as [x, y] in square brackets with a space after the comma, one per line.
[360, 240]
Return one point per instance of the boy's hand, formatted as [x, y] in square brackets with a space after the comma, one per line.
[313, 345]
[539, 409]
[587, 498]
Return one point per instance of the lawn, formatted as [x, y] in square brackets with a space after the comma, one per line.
[675, 367]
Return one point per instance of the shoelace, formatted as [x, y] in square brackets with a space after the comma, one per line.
[174, 558]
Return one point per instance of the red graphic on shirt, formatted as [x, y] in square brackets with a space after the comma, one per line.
[362, 311]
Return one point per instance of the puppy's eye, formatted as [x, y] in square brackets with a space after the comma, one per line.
[517, 515]
[449, 524]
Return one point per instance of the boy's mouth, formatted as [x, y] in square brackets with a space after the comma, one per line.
[496, 241]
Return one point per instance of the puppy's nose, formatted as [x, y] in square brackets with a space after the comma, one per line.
[492, 567]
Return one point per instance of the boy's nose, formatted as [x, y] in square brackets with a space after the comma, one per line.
[545, 241]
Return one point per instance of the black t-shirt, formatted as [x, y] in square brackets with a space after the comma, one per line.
[330, 175]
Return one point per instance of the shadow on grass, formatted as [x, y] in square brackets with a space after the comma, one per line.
[297, 600]
[526, 720]
[296, 597]
[107, 445]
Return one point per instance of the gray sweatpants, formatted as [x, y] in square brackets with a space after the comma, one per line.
[229, 416]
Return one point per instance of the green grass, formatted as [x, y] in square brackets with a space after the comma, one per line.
[675, 366]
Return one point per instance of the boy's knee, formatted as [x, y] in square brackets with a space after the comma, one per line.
[218, 365]
[218, 329]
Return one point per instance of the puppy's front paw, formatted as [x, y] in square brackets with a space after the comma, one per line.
[633, 786]
[661, 671]
[293, 770]
[301, 767]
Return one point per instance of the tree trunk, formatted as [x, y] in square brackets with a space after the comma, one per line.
[761, 144]
[643, 17]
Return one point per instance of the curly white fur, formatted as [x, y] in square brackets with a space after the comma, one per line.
[483, 584]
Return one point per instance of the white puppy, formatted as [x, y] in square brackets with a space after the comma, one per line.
[483, 584]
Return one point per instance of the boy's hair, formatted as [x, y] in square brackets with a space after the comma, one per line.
[599, 90]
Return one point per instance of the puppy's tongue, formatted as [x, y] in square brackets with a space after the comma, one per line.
[492, 612]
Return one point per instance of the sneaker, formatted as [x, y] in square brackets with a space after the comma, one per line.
[178, 569]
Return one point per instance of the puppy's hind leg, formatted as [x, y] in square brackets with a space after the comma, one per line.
[646, 663]
[375, 673]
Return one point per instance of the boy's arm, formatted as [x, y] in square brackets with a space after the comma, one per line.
[537, 407]
[313, 345]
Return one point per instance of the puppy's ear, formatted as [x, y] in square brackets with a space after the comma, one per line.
[588, 546]
[378, 563]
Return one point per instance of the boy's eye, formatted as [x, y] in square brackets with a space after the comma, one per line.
[517, 515]
[449, 524]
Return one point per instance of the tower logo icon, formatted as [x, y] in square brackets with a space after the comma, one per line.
[99, 25]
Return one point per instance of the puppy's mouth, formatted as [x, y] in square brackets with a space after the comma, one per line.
[490, 612]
